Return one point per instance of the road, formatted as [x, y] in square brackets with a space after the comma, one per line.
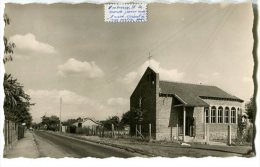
[56, 146]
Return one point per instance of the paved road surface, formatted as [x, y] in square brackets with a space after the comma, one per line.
[56, 146]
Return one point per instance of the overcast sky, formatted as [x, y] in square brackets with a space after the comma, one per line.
[69, 51]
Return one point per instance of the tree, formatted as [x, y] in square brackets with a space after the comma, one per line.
[52, 122]
[9, 46]
[126, 118]
[16, 102]
[69, 122]
[138, 114]
[111, 120]
[251, 109]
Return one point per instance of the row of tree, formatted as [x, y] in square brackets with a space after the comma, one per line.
[48, 123]
[52, 122]
[17, 102]
[251, 110]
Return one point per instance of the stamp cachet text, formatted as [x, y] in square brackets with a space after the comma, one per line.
[125, 12]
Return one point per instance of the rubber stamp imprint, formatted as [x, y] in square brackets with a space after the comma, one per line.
[125, 12]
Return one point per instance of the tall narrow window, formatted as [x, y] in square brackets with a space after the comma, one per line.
[226, 115]
[213, 114]
[220, 115]
[207, 114]
[233, 115]
[140, 102]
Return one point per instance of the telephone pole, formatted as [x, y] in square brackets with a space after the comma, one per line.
[60, 114]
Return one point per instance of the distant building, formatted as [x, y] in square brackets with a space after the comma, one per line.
[183, 111]
[87, 126]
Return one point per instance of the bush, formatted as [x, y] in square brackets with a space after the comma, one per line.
[244, 134]
[249, 135]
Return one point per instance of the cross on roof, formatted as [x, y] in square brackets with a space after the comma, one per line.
[149, 58]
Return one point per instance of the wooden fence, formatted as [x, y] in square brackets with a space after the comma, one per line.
[12, 133]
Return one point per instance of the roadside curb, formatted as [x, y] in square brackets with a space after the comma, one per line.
[107, 144]
[134, 150]
[36, 145]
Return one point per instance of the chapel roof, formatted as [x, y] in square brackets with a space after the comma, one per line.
[193, 94]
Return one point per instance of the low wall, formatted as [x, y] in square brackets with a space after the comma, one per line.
[220, 131]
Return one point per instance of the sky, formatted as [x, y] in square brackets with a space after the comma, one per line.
[68, 51]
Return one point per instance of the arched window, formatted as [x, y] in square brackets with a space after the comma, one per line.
[226, 115]
[213, 114]
[233, 115]
[238, 110]
[207, 114]
[220, 114]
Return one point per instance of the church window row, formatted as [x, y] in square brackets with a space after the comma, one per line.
[221, 115]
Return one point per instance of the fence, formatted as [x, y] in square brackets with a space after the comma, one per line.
[12, 133]
[98, 131]
[113, 131]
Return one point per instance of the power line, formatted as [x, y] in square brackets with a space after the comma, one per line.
[200, 16]
[211, 39]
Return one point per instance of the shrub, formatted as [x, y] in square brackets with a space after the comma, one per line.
[249, 134]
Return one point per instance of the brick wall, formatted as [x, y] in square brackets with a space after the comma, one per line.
[198, 115]
[220, 131]
[163, 118]
[166, 121]
[167, 118]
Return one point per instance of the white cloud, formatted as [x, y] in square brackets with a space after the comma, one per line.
[164, 74]
[73, 105]
[29, 42]
[74, 67]
[68, 97]
[128, 78]
[117, 101]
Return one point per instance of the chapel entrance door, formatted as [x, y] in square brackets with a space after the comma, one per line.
[189, 129]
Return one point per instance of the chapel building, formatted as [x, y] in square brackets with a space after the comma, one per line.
[183, 111]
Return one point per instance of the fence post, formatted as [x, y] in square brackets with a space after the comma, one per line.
[11, 134]
[135, 130]
[112, 127]
[8, 133]
[5, 132]
[150, 130]
[171, 133]
[140, 129]
[177, 131]
[229, 135]
[208, 135]
[177, 126]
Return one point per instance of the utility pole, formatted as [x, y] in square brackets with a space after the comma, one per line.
[60, 113]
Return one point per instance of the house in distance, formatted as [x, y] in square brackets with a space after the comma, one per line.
[183, 111]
